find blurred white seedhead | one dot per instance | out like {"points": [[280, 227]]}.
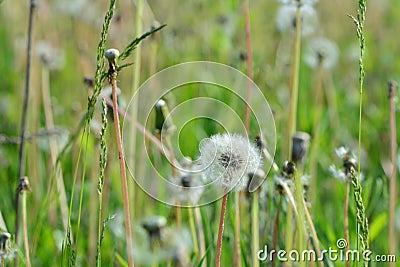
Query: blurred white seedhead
{"points": [[286, 19], [227, 159], [7, 253], [190, 184], [321, 52], [298, 2], [49, 56], [155, 243]]}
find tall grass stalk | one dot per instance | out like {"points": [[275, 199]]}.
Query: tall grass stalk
{"points": [[316, 135], [21, 154], [249, 56], [346, 218], [131, 145], [54, 150], [359, 22], [361, 217], [103, 163], [393, 182], [124, 183]]}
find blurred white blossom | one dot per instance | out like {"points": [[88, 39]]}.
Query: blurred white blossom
{"points": [[299, 2], [49, 56], [321, 52], [286, 19]]}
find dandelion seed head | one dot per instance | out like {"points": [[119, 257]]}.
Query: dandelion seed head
{"points": [[338, 174], [321, 52], [227, 158], [286, 19], [188, 187], [49, 56], [166, 244], [7, 253], [298, 2]]}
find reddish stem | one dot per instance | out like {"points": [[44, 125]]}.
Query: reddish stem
{"points": [[124, 183], [221, 231]]}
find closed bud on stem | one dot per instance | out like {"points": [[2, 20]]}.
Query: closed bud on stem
{"points": [[164, 124], [300, 145], [392, 88]]}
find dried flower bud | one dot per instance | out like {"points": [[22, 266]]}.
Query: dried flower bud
{"points": [[23, 185], [288, 169]]}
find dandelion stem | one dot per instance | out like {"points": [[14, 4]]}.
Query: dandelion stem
{"points": [[124, 182], [197, 215], [294, 90], [21, 155], [313, 232], [193, 231], [300, 212], [276, 229], [221, 230], [255, 234], [393, 186], [316, 135], [236, 246], [25, 228]]}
